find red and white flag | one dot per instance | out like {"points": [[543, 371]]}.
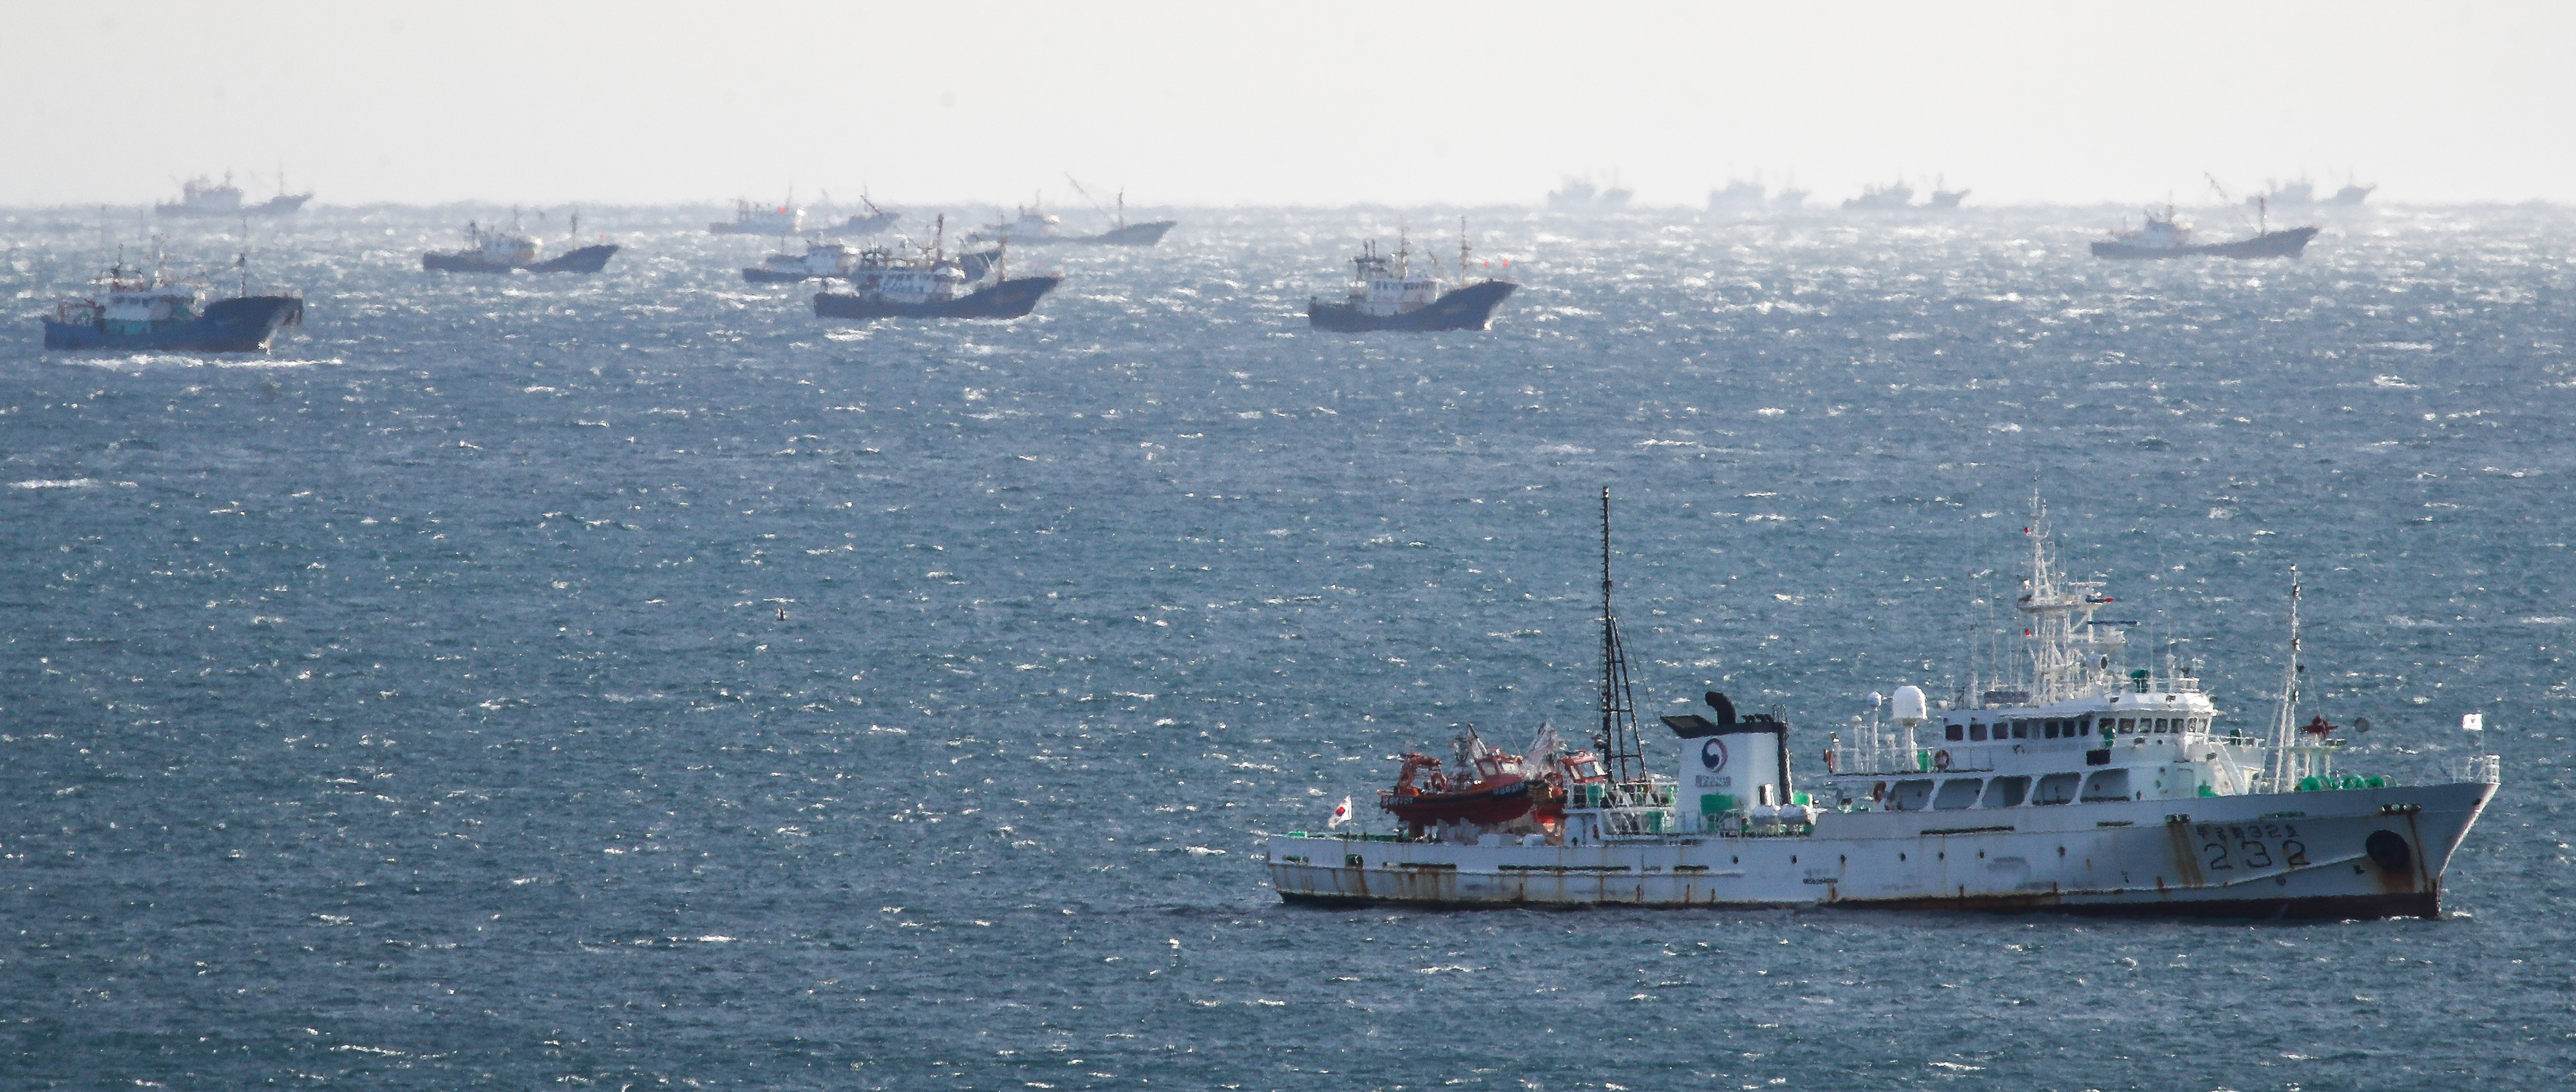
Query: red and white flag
{"points": [[1341, 814]]}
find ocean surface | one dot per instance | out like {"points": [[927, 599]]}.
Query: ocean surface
{"points": [[631, 682]]}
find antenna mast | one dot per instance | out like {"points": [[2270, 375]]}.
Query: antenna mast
{"points": [[1618, 736], [2285, 727]]}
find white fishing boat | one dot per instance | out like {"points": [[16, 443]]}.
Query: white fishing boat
{"points": [[2084, 786], [751, 219]]}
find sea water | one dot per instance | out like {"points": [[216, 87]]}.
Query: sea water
{"points": [[630, 681]]}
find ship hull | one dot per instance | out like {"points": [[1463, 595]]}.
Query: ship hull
{"points": [[279, 205], [245, 324], [589, 259], [2271, 244], [1007, 300], [2287, 855], [1144, 234], [758, 275], [1469, 308]]}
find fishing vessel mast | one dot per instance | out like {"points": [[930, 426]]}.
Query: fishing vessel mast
{"points": [[1617, 740], [2290, 761], [2069, 651]]}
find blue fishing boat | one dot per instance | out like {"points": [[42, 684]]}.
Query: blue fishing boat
{"points": [[140, 312]]}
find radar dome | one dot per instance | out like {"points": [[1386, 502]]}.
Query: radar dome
{"points": [[1909, 706]]}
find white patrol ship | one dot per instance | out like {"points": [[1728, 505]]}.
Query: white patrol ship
{"points": [[2085, 788]]}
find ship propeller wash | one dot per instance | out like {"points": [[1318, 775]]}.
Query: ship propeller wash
{"points": [[2082, 786]]}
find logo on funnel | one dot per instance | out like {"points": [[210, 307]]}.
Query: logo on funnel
{"points": [[1712, 754]]}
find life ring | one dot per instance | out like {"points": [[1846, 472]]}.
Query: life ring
{"points": [[1940, 760], [1878, 791]]}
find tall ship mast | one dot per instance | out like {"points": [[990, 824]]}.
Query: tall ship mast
{"points": [[2074, 784]]}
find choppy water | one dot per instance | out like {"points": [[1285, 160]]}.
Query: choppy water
{"points": [[413, 709]]}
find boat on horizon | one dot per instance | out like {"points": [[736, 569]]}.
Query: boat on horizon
{"points": [[1579, 194], [1385, 293], [155, 312], [868, 223], [493, 250], [2164, 236], [1035, 226], [203, 197], [1877, 198], [2073, 784], [750, 219]]}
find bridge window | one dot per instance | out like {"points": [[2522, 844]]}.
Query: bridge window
{"points": [[1976, 731], [1954, 733], [2128, 726], [2021, 729], [1958, 793], [2006, 792], [1910, 795]]}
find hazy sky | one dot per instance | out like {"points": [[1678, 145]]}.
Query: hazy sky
{"points": [[1307, 102]]}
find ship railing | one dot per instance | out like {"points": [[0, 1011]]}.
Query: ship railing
{"points": [[2474, 770]]}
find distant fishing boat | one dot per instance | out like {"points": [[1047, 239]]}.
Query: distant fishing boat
{"points": [[2166, 237], [155, 312], [2290, 194], [1740, 195], [1386, 294], [869, 223], [2352, 193], [1876, 198], [1580, 195], [202, 197], [492, 250], [1035, 226], [929, 284], [750, 219]]}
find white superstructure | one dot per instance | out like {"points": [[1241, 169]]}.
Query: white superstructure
{"points": [[2080, 785]]}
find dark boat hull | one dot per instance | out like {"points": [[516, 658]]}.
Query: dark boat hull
{"points": [[1469, 308], [589, 259], [243, 324], [1007, 300], [2271, 244], [759, 275]]}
